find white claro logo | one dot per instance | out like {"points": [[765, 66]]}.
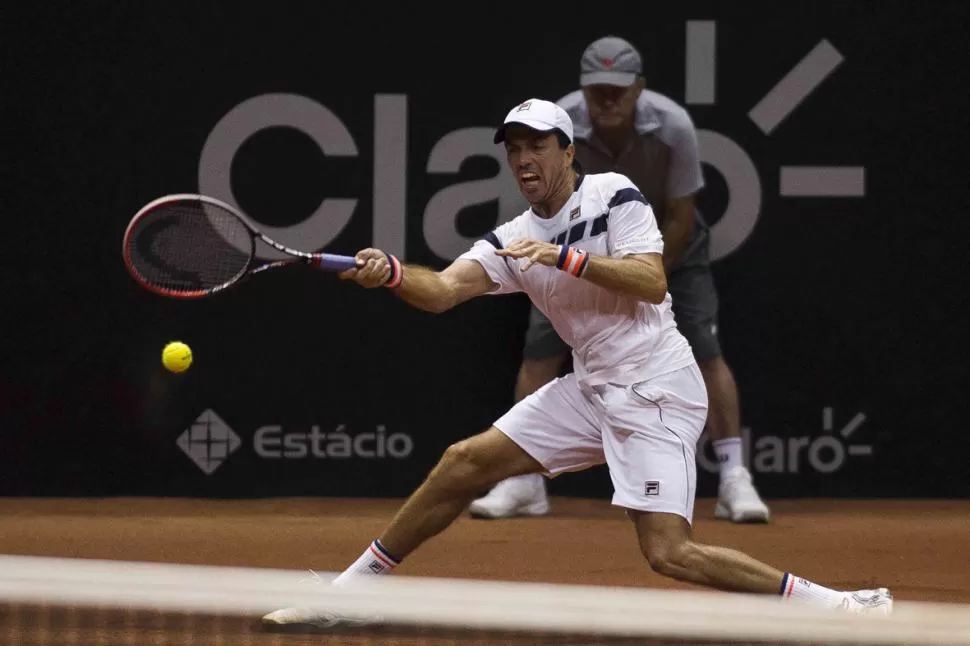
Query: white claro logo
{"points": [[439, 220], [826, 452]]}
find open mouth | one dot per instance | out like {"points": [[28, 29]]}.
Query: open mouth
{"points": [[529, 180]]}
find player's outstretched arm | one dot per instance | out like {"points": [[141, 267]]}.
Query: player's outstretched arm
{"points": [[424, 288]]}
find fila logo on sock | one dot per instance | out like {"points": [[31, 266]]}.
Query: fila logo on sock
{"points": [[376, 567], [651, 488]]}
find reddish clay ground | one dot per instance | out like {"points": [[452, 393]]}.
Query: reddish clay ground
{"points": [[917, 548]]}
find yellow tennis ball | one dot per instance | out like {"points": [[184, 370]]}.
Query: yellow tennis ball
{"points": [[177, 357]]}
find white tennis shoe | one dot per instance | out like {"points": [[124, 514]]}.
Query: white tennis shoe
{"points": [[306, 619], [313, 618], [523, 495], [737, 499], [869, 602]]}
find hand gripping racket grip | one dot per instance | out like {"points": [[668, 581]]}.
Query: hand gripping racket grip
{"points": [[333, 262]]}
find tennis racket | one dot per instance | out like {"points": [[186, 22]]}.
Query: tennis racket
{"points": [[193, 246]]}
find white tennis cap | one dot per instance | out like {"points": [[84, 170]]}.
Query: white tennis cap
{"points": [[544, 116]]}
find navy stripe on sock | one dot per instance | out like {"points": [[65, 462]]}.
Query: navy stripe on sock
{"points": [[784, 584], [386, 554]]}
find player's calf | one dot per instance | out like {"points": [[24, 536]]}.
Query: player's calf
{"points": [[666, 543], [710, 566]]}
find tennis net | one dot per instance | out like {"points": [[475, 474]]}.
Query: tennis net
{"points": [[87, 602]]}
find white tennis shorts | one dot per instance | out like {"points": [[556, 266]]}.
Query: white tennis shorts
{"points": [[646, 433]]}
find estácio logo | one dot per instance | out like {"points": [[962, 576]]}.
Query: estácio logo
{"points": [[272, 443]]}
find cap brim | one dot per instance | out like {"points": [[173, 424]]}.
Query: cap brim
{"points": [[535, 125], [620, 79]]}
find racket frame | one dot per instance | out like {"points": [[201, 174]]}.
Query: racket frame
{"points": [[324, 261]]}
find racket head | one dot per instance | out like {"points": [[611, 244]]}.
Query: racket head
{"points": [[188, 246]]}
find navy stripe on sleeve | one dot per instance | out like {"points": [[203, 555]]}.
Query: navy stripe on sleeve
{"points": [[493, 239], [625, 195], [495, 242]]}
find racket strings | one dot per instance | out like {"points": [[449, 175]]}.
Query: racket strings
{"points": [[189, 246]]}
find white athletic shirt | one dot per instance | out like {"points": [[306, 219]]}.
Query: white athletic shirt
{"points": [[615, 338]]}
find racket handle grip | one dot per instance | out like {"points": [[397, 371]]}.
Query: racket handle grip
{"points": [[333, 262]]}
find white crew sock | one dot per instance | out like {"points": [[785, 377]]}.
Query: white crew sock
{"points": [[799, 589], [728, 453], [375, 560]]}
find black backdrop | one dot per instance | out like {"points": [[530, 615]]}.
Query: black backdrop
{"points": [[844, 318]]}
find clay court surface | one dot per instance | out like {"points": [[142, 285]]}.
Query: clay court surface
{"points": [[917, 548]]}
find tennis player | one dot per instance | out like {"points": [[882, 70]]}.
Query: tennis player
{"points": [[588, 252], [621, 126]]}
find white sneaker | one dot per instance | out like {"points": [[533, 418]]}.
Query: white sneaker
{"points": [[311, 618], [517, 496], [869, 602], [305, 619], [737, 499]]}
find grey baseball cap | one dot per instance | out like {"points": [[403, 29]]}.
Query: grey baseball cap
{"points": [[610, 61]]}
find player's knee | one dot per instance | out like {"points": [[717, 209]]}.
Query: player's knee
{"points": [[669, 558], [460, 468], [660, 558]]}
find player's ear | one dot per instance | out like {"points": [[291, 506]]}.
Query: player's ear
{"points": [[570, 153]]}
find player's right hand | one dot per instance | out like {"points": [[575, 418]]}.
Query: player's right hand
{"points": [[372, 269]]}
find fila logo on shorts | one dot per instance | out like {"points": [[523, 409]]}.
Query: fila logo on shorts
{"points": [[651, 488]]}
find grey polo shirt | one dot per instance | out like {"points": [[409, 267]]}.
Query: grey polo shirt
{"points": [[663, 162]]}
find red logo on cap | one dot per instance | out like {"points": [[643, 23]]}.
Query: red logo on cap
{"points": [[607, 62]]}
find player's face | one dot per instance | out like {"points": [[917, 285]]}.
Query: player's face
{"points": [[540, 166], [610, 106]]}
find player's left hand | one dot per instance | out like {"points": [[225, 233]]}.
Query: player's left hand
{"points": [[536, 252]]}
